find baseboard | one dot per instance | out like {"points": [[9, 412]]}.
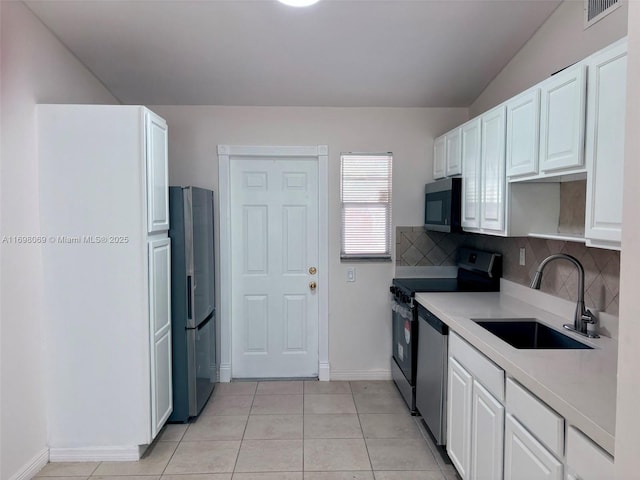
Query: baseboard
{"points": [[324, 373], [225, 373], [361, 375], [31, 468], [95, 454]]}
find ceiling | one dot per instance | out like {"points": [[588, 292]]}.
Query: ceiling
{"points": [[386, 53]]}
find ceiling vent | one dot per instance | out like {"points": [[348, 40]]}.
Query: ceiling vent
{"points": [[596, 10]]}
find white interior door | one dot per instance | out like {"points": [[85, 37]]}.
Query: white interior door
{"points": [[274, 251]]}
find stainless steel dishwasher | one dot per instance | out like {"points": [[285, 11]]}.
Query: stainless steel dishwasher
{"points": [[431, 375]]}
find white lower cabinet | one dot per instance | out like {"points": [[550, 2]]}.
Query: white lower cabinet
{"points": [[525, 458], [487, 435], [475, 417], [585, 460], [497, 429], [459, 408]]}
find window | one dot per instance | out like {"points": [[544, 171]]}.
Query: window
{"points": [[365, 195]]}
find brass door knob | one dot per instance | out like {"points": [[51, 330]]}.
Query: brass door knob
{"points": [[312, 270], [312, 285]]}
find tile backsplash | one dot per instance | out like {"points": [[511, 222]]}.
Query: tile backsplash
{"points": [[416, 247]]}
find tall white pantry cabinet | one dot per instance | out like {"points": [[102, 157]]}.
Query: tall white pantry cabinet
{"points": [[104, 218]]}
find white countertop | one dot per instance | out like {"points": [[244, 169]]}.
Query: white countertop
{"points": [[578, 384]]}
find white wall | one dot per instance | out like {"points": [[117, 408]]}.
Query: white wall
{"points": [[559, 42], [628, 415], [36, 68], [359, 314]]}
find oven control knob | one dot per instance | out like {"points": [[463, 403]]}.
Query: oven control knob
{"points": [[392, 290]]}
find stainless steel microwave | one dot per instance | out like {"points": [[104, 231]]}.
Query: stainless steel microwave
{"points": [[443, 204]]}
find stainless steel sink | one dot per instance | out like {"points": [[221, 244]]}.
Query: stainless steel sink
{"points": [[528, 333]]}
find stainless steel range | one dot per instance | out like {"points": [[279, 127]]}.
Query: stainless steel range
{"points": [[478, 271]]}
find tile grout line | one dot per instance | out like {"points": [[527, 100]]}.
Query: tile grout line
{"points": [[94, 470], [235, 463], [172, 454], [364, 440]]}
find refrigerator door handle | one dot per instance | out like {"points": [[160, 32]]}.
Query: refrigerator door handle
{"points": [[192, 371], [189, 298]]}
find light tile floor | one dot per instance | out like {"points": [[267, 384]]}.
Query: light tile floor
{"points": [[285, 430]]}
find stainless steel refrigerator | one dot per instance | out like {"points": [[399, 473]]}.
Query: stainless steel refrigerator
{"points": [[192, 300]]}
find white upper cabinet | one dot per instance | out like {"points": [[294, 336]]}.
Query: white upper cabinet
{"points": [[568, 127], [562, 120], [492, 167], [523, 128], [439, 157], [447, 155], [605, 146], [157, 173], [470, 143], [454, 153]]}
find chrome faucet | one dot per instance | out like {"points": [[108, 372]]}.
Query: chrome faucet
{"points": [[582, 316]]}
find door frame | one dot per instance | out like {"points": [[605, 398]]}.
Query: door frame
{"points": [[226, 154]]}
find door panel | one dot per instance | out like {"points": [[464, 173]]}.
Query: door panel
{"points": [[294, 327], [454, 156], [605, 144], [562, 121], [201, 377], [256, 310], [525, 458], [255, 240], [523, 132], [274, 222], [160, 332], [157, 173], [163, 391], [439, 157], [203, 262], [470, 133], [459, 409], [488, 435], [294, 224], [493, 164]]}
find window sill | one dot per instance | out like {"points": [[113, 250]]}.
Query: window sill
{"points": [[363, 259]]}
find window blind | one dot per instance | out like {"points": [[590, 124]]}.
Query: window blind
{"points": [[365, 195]]}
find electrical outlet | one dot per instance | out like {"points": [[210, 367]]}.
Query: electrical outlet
{"points": [[351, 274], [522, 257]]}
